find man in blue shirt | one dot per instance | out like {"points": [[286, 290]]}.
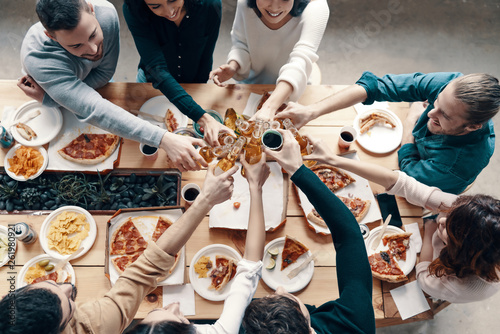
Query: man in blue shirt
{"points": [[446, 145]]}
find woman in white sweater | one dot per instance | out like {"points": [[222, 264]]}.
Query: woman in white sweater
{"points": [[460, 256], [274, 42], [244, 284]]}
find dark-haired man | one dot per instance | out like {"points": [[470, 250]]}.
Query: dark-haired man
{"points": [[49, 308], [445, 144], [72, 51]]}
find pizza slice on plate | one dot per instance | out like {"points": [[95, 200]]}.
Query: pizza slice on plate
{"points": [[385, 267], [334, 178], [398, 243], [170, 121], [127, 240], [375, 118], [316, 218], [358, 207], [292, 250], [90, 148], [223, 272]]}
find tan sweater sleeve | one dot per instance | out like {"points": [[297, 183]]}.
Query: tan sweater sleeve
{"points": [[115, 311]]}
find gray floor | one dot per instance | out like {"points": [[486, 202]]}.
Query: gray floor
{"points": [[385, 36]]}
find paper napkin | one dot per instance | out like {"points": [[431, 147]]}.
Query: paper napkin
{"points": [[183, 294], [359, 107], [416, 238], [252, 104], [410, 300]]}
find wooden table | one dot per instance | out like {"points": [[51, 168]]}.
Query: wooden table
{"points": [[89, 269]]}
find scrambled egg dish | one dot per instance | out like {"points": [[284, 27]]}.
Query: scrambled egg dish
{"points": [[67, 231]]}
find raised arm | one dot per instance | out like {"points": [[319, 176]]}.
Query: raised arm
{"points": [[353, 270], [256, 176], [216, 189], [375, 173], [301, 115]]}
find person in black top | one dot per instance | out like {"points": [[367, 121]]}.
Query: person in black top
{"points": [[282, 312]]}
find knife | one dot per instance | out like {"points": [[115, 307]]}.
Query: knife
{"points": [[382, 231]]}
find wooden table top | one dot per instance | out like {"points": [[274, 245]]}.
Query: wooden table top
{"points": [[91, 281]]}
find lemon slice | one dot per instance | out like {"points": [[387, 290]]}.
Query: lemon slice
{"points": [[271, 264]]}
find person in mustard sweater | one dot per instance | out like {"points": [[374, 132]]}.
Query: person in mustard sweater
{"points": [[47, 307]]}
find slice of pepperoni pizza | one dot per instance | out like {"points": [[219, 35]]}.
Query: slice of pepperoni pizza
{"points": [[127, 240], [90, 148], [161, 226], [385, 267]]}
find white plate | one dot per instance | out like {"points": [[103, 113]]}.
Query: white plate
{"points": [[201, 285], [86, 243], [68, 268], [158, 106], [5, 231], [11, 153], [411, 253], [380, 139], [46, 125], [275, 278]]}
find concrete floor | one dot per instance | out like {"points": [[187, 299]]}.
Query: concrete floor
{"points": [[386, 36]]}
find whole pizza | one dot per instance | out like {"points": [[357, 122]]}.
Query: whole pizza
{"points": [[90, 148], [128, 242]]}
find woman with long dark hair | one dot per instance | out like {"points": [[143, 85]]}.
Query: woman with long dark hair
{"points": [[176, 40], [460, 256]]}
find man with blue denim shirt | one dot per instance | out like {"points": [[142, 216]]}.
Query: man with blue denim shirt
{"points": [[446, 145]]}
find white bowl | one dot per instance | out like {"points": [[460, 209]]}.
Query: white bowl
{"points": [[86, 243], [11, 153]]}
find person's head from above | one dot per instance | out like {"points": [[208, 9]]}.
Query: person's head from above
{"points": [[72, 24], [278, 313], [465, 105], [42, 308], [471, 231], [275, 13], [165, 320], [172, 10]]}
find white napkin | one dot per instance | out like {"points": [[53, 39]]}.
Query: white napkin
{"points": [[184, 294], [72, 127], [7, 116], [416, 238], [360, 108], [410, 300], [252, 104], [225, 215]]}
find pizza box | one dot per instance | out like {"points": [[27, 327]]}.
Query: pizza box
{"points": [[274, 196], [145, 221], [116, 182]]}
